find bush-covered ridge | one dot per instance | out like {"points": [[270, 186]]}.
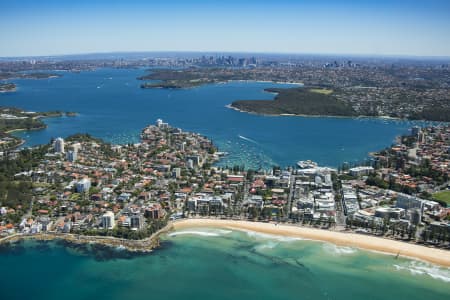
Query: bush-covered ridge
{"points": [[297, 101]]}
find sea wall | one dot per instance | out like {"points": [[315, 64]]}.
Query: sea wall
{"points": [[144, 245]]}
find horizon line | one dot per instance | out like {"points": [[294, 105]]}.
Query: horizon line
{"points": [[360, 55]]}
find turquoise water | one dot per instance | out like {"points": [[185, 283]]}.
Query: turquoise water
{"points": [[113, 107], [216, 264]]}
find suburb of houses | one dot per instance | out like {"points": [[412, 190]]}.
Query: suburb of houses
{"points": [[81, 185]]}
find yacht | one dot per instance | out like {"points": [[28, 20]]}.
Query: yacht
{"points": [[306, 164]]}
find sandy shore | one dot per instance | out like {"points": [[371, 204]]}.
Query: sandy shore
{"points": [[432, 255]]}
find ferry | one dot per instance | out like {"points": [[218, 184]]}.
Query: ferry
{"points": [[306, 164]]}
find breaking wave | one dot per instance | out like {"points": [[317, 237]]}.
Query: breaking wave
{"points": [[218, 232], [268, 245], [258, 235], [338, 250], [422, 268]]}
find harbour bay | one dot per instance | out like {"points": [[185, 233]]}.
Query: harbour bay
{"points": [[110, 105]]}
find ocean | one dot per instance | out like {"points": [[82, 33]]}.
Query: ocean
{"points": [[113, 107], [216, 264]]}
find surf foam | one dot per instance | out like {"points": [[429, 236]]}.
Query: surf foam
{"points": [[338, 250], [422, 268]]}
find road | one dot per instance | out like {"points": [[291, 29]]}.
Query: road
{"points": [[290, 201]]}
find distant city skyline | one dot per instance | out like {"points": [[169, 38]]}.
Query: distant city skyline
{"points": [[391, 28]]}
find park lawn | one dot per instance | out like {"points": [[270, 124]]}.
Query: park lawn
{"points": [[443, 196]]}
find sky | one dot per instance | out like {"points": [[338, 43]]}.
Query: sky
{"points": [[383, 27]]}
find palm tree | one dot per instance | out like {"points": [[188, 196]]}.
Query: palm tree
{"points": [[385, 226], [372, 225], [394, 227]]}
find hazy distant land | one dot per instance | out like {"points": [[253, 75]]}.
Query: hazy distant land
{"points": [[330, 90], [33, 75]]}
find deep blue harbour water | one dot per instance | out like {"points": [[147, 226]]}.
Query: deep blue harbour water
{"points": [[113, 107]]}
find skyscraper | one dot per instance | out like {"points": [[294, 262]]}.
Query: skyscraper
{"points": [[59, 145]]}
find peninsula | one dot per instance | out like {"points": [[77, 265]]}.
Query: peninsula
{"points": [[27, 75], [82, 189], [7, 87], [297, 101], [188, 78], [14, 119], [12, 87]]}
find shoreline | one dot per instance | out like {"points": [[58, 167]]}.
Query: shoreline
{"points": [[144, 245], [8, 91], [366, 242], [230, 106], [387, 118], [44, 125], [370, 243], [176, 87], [24, 129]]}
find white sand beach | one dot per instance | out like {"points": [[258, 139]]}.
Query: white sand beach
{"points": [[367, 242]]}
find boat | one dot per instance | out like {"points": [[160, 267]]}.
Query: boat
{"points": [[220, 154], [306, 164]]}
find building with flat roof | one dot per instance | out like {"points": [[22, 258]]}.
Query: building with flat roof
{"points": [[108, 221], [137, 222], [83, 185], [72, 155], [407, 201], [389, 213], [361, 171]]}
